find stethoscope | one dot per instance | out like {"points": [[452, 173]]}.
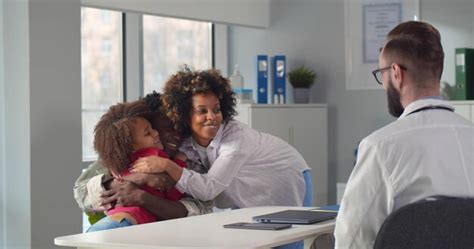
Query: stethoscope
{"points": [[433, 107]]}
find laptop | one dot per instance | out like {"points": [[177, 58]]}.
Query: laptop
{"points": [[296, 216]]}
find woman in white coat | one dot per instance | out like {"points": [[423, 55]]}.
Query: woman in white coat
{"points": [[246, 167]]}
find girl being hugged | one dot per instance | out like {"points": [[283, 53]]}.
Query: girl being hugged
{"points": [[122, 136]]}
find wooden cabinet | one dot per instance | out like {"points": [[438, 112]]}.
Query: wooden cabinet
{"points": [[304, 126], [464, 108]]}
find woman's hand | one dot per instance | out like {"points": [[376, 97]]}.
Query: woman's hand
{"points": [[160, 181], [150, 164], [126, 194], [129, 194]]}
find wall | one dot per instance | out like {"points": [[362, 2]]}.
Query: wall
{"points": [[55, 95], [254, 13], [312, 32], [454, 19], [17, 125], [2, 136], [42, 120]]}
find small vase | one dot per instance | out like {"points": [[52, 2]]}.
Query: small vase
{"points": [[301, 95]]}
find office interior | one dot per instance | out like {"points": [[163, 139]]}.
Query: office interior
{"points": [[40, 88]]}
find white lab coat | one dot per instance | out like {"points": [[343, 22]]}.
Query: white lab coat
{"points": [[248, 168], [422, 154]]}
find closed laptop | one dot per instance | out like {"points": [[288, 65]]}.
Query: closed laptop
{"points": [[296, 217]]}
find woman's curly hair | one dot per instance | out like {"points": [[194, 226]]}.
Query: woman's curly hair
{"points": [[180, 88], [113, 134]]}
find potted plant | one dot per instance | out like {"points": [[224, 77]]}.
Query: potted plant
{"points": [[301, 78]]}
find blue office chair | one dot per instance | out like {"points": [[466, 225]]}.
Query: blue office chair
{"points": [[441, 222], [308, 195], [307, 202]]}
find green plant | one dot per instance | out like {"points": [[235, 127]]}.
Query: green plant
{"points": [[302, 77]]}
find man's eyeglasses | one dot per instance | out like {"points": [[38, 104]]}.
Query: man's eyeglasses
{"points": [[378, 73]]}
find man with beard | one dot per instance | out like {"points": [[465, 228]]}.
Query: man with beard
{"points": [[427, 151]]}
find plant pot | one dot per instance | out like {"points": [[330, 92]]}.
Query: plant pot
{"points": [[301, 95]]}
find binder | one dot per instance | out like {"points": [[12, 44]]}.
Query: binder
{"points": [[279, 79], [464, 87], [262, 79]]}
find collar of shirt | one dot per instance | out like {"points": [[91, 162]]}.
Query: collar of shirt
{"points": [[433, 97], [217, 139], [424, 102], [188, 149]]}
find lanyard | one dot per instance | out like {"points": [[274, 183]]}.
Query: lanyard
{"points": [[436, 107]]}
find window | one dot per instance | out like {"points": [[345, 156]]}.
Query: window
{"points": [[102, 84], [105, 47], [105, 17], [169, 43], [105, 80]]}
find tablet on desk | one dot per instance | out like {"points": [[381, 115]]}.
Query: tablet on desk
{"points": [[257, 226], [296, 217]]}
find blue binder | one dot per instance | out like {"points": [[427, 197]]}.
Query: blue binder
{"points": [[279, 79], [262, 79]]}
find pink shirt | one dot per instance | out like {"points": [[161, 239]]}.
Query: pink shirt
{"points": [[140, 214]]}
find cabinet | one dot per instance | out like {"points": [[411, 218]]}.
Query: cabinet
{"points": [[464, 108], [304, 126]]}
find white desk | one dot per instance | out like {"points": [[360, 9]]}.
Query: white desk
{"points": [[204, 231]]}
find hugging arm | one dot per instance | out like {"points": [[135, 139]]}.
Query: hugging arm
{"points": [[129, 194], [89, 189], [234, 152], [161, 181]]}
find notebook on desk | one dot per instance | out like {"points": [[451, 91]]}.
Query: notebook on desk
{"points": [[296, 217]]}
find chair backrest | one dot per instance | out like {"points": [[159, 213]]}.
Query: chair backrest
{"points": [[308, 195], [441, 223]]}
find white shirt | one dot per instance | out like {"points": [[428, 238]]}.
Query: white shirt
{"points": [[202, 152], [248, 168], [422, 154]]}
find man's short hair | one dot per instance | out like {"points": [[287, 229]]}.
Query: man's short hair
{"points": [[417, 46]]}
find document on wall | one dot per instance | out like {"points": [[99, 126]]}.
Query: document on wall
{"points": [[367, 24], [378, 20]]}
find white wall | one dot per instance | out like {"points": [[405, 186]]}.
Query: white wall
{"points": [[2, 135], [312, 32], [254, 13], [55, 67], [42, 120], [454, 19], [17, 125]]}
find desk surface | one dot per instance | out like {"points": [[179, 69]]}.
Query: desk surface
{"points": [[204, 231]]}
